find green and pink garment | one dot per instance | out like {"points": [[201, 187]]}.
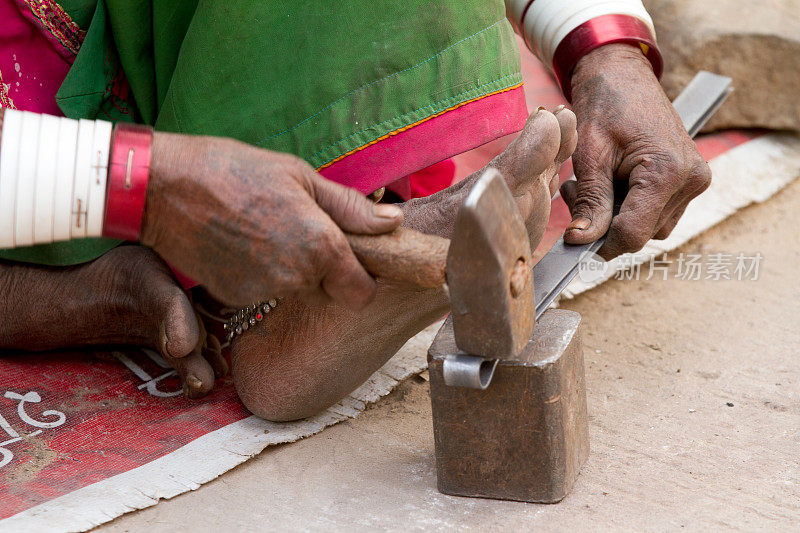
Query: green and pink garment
{"points": [[368, 92], [371, 93]]}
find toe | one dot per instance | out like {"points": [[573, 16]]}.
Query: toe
{"points": [[212, 352], [179, 331], [567, 124], [184, 347], [532, 152], [181, 337], [195, 372]]}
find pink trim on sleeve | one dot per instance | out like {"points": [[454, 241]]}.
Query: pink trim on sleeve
{"points": [[429, 142]]}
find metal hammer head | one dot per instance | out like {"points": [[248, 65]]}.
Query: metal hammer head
{"points": [[489, 273]]}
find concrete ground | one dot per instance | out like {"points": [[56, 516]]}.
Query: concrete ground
{"points": [[694, 402]]}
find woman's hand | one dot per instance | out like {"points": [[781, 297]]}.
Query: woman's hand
{"points": [[249, 224], [628, 130]]}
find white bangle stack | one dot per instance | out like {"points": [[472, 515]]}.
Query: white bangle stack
{"points": [[44, 200], [9, 161], [26, 178], [65, 178], [544, 23], [53, 175], [80, 176]]}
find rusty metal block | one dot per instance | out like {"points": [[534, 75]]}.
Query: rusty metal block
{"points": [[526, 436]]}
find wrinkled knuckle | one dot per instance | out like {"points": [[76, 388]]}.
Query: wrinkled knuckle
{"points": [[590, 200], [330, 248], [351, 205], [665, 164], [700, 176]]}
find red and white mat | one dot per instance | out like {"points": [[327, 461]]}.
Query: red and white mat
{"points": [[86, 437]]}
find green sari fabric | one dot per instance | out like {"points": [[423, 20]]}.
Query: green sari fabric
{"points": [[316, 79]]}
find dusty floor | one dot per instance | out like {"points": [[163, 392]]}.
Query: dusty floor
{"points": [[694, 399]]}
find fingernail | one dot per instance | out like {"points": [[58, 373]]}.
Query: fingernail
{"points": [[194, 383], [579, 224], [559, 109], [386, 211], [376, 196]]}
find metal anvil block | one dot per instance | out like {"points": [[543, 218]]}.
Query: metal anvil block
{"points": [[526, 436]]}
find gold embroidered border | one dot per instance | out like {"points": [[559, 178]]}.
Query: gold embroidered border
{"points": [[5, 99], [58, 23]]}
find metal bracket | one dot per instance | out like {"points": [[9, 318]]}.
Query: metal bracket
{"points": [[470, 371]]}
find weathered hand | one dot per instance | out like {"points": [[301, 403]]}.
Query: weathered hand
{"points": [[628, 130], [250, 224]]}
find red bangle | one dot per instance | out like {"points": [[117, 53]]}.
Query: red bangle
{"points": [[599, 31], [128, 172]]}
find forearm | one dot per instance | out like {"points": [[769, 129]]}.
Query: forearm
{"points": [[610, 74], [60, 181], [612, 60]]}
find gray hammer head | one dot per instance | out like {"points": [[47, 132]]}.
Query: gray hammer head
{"points": [[489, 273]]}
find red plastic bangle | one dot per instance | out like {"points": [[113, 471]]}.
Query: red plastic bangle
{"points": [[128, 173], [599, 31]]}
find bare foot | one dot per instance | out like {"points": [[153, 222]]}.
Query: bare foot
{"points": [[301, 359], [127, 296]]}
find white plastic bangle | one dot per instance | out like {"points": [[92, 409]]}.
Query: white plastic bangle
{"points": [[45, 180], [99, 178], [83, 173], [26, 178], [514, 11], [9, 160], [547, 22], [65, 178]]}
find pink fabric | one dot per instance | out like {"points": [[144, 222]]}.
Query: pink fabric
{"points": [[60, 21], [426, 181], [434, 140], [31, 67]]}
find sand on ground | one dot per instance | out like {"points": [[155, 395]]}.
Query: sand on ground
{"points": [[694, 402]]}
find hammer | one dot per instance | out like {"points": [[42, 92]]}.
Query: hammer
{"points": [[486, 268]]}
